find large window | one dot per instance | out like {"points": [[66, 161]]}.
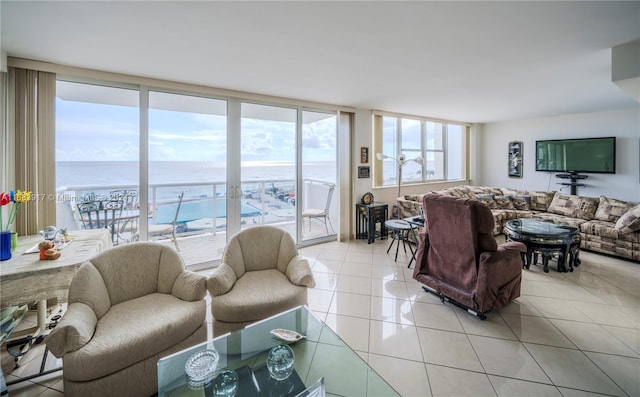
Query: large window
{"points": [[187, 170], [433, 150]]}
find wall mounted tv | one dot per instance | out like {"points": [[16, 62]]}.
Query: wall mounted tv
{"points": [[588, 155]]}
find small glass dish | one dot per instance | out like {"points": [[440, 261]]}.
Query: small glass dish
{"points": [[201, 367], [286, 335]]}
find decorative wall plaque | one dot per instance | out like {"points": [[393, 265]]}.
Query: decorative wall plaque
{"points": [[515, 159]]}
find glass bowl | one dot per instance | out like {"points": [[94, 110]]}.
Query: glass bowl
{"points": [[201, 367]]}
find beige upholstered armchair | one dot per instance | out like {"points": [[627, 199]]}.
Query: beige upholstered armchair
{"points": [[128, 307], [261, 274]]}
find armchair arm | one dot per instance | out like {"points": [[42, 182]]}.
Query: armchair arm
{"points": [[299, 272], [74, 330], [221, 280], [190, 286]]}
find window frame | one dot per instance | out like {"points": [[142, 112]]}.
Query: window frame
{"points": [[400, 147]]}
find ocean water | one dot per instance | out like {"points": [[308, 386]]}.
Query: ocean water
{"points": [[115, 173]]}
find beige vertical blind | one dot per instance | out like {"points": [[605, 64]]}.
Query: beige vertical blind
{"points": [[34, 95]]}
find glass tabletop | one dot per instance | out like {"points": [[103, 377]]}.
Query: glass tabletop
{"points": [[536, 227], [319, 354]]}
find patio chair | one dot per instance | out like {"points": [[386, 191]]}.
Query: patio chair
{"points": [[321, 214], [101, 215], [159, 230]]}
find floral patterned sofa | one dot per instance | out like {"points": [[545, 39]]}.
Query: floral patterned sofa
{"points": [[606, 225]]}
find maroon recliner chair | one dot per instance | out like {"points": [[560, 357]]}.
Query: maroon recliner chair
{"points": [[459, 260]]}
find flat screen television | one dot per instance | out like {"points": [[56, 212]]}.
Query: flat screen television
{"points": [[587, 155]]}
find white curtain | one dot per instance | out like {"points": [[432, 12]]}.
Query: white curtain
{"points": [[33, 95]]}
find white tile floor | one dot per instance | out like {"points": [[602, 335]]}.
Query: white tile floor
{"points": [[569, 334]]}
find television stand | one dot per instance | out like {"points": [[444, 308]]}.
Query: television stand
{"points": [[574, 177]]}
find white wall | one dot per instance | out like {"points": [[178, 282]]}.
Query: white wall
{"points": [[624, 124], [362, 137]]}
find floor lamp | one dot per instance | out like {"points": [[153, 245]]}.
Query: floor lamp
{"points": [[401, 161]]}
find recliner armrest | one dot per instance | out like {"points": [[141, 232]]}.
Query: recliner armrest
{"points": [[299, 272], [190, 286], [221, 280], [513, 246], [74, 330]]}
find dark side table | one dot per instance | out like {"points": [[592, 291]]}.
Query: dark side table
{"points": [[367, 216], [401, 231]]}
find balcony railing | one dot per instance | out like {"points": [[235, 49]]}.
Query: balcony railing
{"points": [[203, 208]]}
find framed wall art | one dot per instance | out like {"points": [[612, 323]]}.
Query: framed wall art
{"points": [[515, 159], [364, 155], [363, 172]]}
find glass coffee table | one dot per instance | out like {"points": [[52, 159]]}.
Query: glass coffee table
{"points": [[319, 354], [547, 239]]}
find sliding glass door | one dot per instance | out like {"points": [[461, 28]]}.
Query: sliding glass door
{"points": [[319, 195], [97, 156], [188, 171], [268, 166], [187, 174]]}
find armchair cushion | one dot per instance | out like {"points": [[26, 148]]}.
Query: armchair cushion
{"points": [[74, 330], [221, 280], [190, 286], [299, 273], [257, 295]]}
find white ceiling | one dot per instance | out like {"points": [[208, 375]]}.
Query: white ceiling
{"points": [[466, 61]]}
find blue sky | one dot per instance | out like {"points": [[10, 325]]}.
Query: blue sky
{"points": [[100, 132]]}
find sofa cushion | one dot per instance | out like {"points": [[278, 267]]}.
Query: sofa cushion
{"points": [[573, 206], [238, 306], [132, 331], [630, 221], [487, 199], [504, 203], [559, 219], [540, 200], [520, 201], [610, 209], [600, 228]]}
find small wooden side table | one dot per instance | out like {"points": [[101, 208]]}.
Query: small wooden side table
{"points": [[367, 216]]}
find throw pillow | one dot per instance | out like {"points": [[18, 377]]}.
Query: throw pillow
{"points": [[629, 222], [610, 209], [540, 200], [521, 202], [505, 203], [574, 206], [488, 200]]}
